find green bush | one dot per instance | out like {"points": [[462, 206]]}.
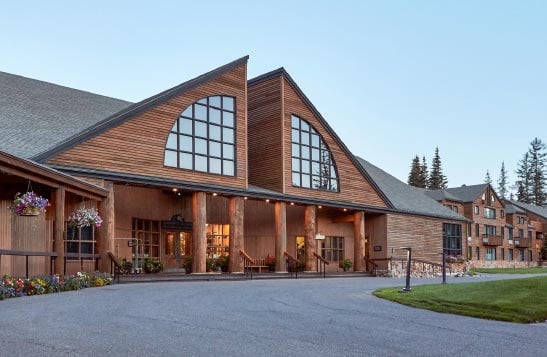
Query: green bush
{"points": [[152, 265], [346, 264]]}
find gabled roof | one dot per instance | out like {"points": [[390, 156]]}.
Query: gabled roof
{"points": [[538, 211], [35, 115], [442, 195], [407, 198], [510, 208], [128, 112], [467, 193], [282, 72]]}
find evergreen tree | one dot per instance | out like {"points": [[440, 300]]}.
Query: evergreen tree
{"points": [[502, 182], [538, 179], [424, 174], [437, 180], [524, 179], [415, 172], [487, 178]]}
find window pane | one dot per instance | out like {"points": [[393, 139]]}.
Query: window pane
{"points": [[296, 179], [228, 119], [295, 150], [305, 137], [185, 126], [200, 112], [170, 158], [215, 167], [304, 126], [201, 129], [201, 163], [334, 185], [201, 146], [185, 161], [187, 113], [228, 135], [172, 142], [306, 181], [295, 136], [214, 132], [305, 166], [214, 116], [214, 150], [295, 164], [315, 140], [315, 154], [295, 122], [228, 103], [185, 143], [315, 168], [228, 151], [203, 101], [228, 167], [214, 101], [305, 152]]}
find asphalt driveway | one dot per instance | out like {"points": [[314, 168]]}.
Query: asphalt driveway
{"points": [[305, 317]]}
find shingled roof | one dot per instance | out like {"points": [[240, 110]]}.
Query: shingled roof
{"points": [[537, 210], [442, 195], [35, 115], [467, 193], [510, 208], [406, 198]]}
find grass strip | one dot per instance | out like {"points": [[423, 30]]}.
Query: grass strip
{"points": [[518, 300], [535, 270]]}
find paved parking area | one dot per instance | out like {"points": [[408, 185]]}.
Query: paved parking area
{"points": [[310, 317]]}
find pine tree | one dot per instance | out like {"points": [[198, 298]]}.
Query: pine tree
{"points": [[487, 178], [524, 179], [538, 179], [437, 180], [424, 174], [502, 182], [414, 175]]}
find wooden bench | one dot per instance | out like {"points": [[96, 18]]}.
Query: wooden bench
{"points": [[259, 263]]}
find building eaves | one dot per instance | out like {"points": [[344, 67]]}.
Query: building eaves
{"points": [[282, 72], [134, 109], [537, 210]]}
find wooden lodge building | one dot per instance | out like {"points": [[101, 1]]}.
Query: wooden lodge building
{"points": [[218, 165]]}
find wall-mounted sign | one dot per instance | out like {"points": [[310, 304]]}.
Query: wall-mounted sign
{"points": [[319, 236], [377, 248], [129, 243]]}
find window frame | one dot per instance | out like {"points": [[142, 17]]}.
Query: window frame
{"points": [[328, 249], [452, 241], [77, 241]]}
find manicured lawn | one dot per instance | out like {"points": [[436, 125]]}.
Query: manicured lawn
{"points": [[517, 300], [536, 270]]}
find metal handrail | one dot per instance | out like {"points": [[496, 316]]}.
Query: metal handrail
{"points": [[323, 262]]}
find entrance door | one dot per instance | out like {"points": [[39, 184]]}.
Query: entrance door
{"points": [[177, 245], [300, 248]]}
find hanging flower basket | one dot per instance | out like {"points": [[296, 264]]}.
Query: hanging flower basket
{"points": [[29, 204], [85, 217]]}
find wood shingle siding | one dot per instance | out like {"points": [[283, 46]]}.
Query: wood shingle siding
{"points": [[137, 145]]}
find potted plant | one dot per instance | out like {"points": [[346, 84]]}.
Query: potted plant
{"points": [[152, 265], [222, 263], [270, 263], [29, 204], [296, 265], [187, 263], [85, 217], [209, 265], [346, 264]]}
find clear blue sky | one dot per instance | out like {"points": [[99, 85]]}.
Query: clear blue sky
{"points": [[393, 78]]}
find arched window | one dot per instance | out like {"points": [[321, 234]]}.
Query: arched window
{"points": [[312, 162], [203, 137]]}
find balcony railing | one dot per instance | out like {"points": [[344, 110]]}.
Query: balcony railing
{"points": [[490, 239], [523, 242]]}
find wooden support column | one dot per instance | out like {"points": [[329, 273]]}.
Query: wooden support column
{"points": [[280, 236], [310, 229], [106, 235], [359, 241], [59, 235], [199, 238], [237, 242]]}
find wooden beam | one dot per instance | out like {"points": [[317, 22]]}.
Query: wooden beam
{"points": [[59, 229], [359, 241], [199, 234], [237, 213], [310, 229], [344, 219], [106, 237], [280, 236]]}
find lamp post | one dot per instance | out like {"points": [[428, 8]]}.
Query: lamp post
{"points": [[408, 261], [444, 266]]}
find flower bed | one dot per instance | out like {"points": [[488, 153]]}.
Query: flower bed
{"points": [[11, 287]]}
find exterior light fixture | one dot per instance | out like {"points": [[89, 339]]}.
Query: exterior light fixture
{"points": [[292, 203], [267, 200], [319, 207], [215, 194], [175, 189]]}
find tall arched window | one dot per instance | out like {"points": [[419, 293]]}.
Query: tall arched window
{"points": [[203, 137], [312, 162]]}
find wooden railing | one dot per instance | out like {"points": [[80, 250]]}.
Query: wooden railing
{"points": [[489, 239], [293, 260], [81, 257], [115, 267], [248, 263], [523, 242], [26, 254], [373, 265], [321, 262]]}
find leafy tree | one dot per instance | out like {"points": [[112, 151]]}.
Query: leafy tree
{"points": [[415, 172], [487, 178], [437, 180], [538, 180], [524, 179], [424, 174], [502, 182]]}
